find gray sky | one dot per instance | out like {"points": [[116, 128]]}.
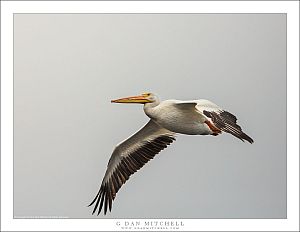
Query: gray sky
{"points": [[68, 67]]}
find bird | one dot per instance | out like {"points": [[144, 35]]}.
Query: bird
{"points": [[167, 119]]}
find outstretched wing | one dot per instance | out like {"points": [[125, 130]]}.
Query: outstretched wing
{"points": [[222, 119], [226, 122], [128, 157]]}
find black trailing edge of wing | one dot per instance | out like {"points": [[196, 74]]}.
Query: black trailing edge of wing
{"points": [[226, 122], [128, 165]]}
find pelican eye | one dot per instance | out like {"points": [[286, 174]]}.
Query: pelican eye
{"points": [[146, 94]]}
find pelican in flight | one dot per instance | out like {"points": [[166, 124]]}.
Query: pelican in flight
{"points": [[167, 118]]}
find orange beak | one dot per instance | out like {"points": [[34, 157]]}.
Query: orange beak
{"points": [[136, 99]]}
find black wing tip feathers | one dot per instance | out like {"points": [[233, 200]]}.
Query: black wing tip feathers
{"points": [[94, 210], [226, 121], [247, 138], [125, 169], [99, 200]]}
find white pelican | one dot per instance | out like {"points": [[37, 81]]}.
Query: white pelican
{"points": [[167, 118]]}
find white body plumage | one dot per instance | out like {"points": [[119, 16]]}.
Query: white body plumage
{"points": [[167, 118], [184, 117]]}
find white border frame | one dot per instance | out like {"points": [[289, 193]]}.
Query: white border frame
{"points": [[289, 7]]}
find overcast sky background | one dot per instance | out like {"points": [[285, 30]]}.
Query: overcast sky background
{"points": [[67, 68]]}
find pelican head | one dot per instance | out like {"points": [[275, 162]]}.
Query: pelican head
{"points": [[142, 99]]}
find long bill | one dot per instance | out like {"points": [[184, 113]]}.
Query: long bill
{"points": [[135, 99]]}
